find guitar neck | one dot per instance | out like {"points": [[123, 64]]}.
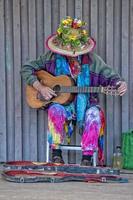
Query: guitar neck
{"points": [[76, 89]]}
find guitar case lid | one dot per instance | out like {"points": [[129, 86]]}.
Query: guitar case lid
{"points": [[32, 172], [71, 168]]}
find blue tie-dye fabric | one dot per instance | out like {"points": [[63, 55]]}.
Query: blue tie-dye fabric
{"points": [[82, 99], [83, 79], [62, 66]]}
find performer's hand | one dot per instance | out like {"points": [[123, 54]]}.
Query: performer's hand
{"points": [[45, 91], [122, 87]]}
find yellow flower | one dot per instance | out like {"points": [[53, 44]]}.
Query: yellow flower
{"points": [[84, 32], [73, 37], [65, 22], [69, 19]]}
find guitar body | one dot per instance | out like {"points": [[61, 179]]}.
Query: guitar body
{"points": [[51, 81], [64, 88]]}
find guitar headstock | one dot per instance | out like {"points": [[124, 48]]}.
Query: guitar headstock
{"points": [[109, 90]]}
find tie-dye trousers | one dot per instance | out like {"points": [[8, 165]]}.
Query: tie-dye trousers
{"points": [[93, 130]]}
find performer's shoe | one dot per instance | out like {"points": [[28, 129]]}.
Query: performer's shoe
{"points": [[57, 156], [86, 160], [86, 163], [58, 159]]}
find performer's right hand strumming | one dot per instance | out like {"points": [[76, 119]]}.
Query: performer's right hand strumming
{"points": [[45, 91]]}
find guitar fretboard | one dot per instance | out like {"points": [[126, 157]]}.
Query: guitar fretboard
{"points": [[76, 89]]}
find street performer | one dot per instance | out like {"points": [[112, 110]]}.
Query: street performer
{"points": [[71, 53]]}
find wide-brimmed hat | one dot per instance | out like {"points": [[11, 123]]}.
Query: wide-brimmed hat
{"points": [[71, 38]]}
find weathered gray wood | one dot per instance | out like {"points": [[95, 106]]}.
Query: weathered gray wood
{"points": [[40, 27], [102, 28], [47, 32], [78, 9], [3, 122], [17, 80], [87, 13], [94, 21], [32, 55], [9, 80], [117, 50], [40, 49], [71, 8], [63, 9], [55, 14], [102, 46], [47, 19], [131, 66], [25, 57], [125, 62], [109, 99]]}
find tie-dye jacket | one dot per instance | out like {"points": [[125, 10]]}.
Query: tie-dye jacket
{"points": [[100, 73]]}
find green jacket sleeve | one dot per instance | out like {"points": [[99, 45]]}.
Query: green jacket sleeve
{"points": [[30, 67], [106, 74]]}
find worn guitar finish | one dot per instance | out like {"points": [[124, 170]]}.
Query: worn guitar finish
{"points": [[63, 86], [35, 100]]}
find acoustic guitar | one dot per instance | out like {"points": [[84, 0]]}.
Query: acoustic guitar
{"points": [[64, 87]]}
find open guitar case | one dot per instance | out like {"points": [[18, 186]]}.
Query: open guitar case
{"points": [[33, 172]]}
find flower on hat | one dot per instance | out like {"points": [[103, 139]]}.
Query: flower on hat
{"points": [[67, 21], [59, 31], [84, 32], [72, 32], [71, 38], [77, 23]]}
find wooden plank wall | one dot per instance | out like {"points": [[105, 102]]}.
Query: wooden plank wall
{"points": [[24, 26]]}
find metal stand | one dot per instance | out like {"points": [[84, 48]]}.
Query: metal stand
{"points": [[70, 147]]}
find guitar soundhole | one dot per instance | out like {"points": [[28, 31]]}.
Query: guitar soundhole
{"points": [[57, 88]]}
